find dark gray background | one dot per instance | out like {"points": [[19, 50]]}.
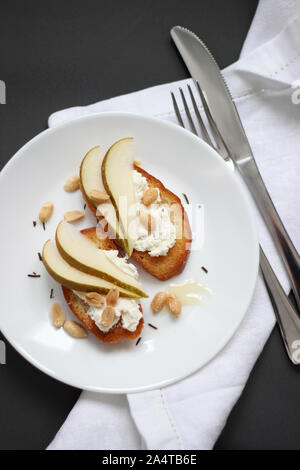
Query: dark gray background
{"points": [[64, 53]]}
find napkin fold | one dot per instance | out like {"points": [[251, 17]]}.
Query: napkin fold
{"points": [[191, 413]]}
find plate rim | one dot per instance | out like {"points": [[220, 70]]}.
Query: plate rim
{"points": [[246, 199]]}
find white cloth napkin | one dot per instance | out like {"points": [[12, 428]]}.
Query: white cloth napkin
{"points": [[192, 413]]}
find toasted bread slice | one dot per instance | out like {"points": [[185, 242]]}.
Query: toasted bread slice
{"points": [[173, 263], [80, 308]]}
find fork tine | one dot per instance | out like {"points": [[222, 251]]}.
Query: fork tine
{"points": [[215, 131], [176, 109], [204, 132], [188, 114]]}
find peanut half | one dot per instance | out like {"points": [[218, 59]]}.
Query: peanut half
{"points": [[99, 196], [58, 315], [158, 302], [46, 211], [112, 297], [174, 304], [93, 298], [74, 329], [149, 196], [72, 184], [108, 316], [73, 216]]}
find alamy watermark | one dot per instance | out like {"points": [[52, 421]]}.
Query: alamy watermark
{"points": [[2, 353], [168, 221], [2, 92]]}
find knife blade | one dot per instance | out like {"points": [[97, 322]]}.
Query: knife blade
{"points": [[204, 69]]}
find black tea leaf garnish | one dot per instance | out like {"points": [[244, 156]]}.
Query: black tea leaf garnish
{"points": [[40, 256], [44, 226], [84, 207], [138, 341], [186, 198], [204, 269], [152, 326], [34, 223], [51, 294], [34, 275]]}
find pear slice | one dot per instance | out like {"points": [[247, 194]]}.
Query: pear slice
{"points": [[90, 172], [117, 179], [74, 279], [91, 178], [84, 255]]}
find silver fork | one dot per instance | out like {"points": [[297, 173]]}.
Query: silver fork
{"points": [[286, 314]]}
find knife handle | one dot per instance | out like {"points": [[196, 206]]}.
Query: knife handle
{"points": [[287, 317], [288, 252]]}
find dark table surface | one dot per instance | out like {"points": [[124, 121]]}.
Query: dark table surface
{"points": [[62, 53]]}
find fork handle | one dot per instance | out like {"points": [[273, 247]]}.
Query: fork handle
{"points": [[287, 317], [288, 252]]}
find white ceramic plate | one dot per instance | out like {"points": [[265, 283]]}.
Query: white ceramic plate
{"points": [[180, 346]]}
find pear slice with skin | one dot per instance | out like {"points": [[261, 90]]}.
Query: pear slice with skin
{"points": [[90, 173], [117, 179], [74, 279], [91, 178], [84, 255]]}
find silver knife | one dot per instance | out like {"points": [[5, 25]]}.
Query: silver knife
{"points": [[204, 69]]}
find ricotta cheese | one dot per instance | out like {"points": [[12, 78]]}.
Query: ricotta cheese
{"points": [[125, 309], [122, 263], [163, 236]]}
